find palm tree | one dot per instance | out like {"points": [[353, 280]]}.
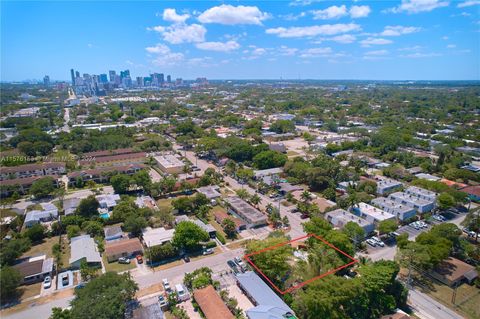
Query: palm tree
{"points": [[255, 200], [242, 193], [306, 196]]}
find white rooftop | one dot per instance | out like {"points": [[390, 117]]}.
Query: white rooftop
{"points": [[157, 236], [374, 212]]}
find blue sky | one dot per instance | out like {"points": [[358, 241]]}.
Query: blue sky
{"points": [[292, 39]]}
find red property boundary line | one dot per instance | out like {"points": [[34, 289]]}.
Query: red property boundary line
{"points": [[247, 258]]}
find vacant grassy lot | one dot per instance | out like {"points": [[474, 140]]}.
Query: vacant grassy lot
{"points": [[117, 267], [467, 300], [29, 291], [43, 248]]}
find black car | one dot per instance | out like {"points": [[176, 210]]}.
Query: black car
{"points": [[232, 265], [186, 258]]}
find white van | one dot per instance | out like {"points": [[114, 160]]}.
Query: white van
{"points": [[182, 293]]}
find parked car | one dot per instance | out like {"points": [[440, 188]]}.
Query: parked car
{"points": [[123, 260], [470, 233], [65, 280], [139, 259], [240, 263], [378, 241], [371, 242], [415, 225], [232, 265], [162, 300], [47, 282], [186, 258], [208, 251], [166, 286], [439, 218]]}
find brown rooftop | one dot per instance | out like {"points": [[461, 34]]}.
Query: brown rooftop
{"points": [[100, 170], [27, 268], [26, 180], [472, 190], [453, 269], [32, 167], [109, 152], [112, 158], [126, 245], [221, 216], [211, 304]]}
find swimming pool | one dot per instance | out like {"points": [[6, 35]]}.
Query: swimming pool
{"points": [[105, 215]]}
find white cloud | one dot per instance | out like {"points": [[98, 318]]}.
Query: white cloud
{"points": [[316, 52], [292, 17], [344, 38], [164, 56], [420, 55], [417, 6], [296, 3], [172, 16], [311, 31], [359, 11], [377, 52], [451, 46], [468, 3], [90, 45], [182, 33], [445, 38], [218, 46], [397, 30], [374, 41], [231, 15], [332, 12], [284, 50], [412, 48]]}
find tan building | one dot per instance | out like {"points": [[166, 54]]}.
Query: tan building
{"points": [[170, 164], [123, 248]]}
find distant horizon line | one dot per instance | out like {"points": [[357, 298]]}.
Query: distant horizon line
{"points": [[269, 79]]}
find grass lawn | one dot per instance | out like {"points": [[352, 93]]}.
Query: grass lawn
{"points": [[169, 265], [117, 267], [165, 203], [6, 213], [43, 248], [29, 291], [292, 153], [238, 244], [34, 207], [65, 252], [466, 302]]}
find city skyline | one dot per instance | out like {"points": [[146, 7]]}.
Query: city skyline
{"points": [[389, 40]]}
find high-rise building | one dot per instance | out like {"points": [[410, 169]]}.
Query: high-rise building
{"points": [[72, 74], [125, 74], [77, 74], [46, 80], [140, 81], [161, 79], [112, 75], [169, 78], [103, 78]]}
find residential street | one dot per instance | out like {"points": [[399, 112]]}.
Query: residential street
{"points": [[427, 308]]}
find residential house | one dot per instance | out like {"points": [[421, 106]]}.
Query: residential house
{"points": [[428, 177], [221, 215], [156, 236], [153, 311], [340, 217], [84, 248], [268, 305], [34, 269], [473, 192], [252, 216], [103, 174], [278, 147], [70, 205], [48, 213], [123, 248], [421, 205], [22, 185], [211, 231], [146, 201], [107, 201], [370, 213], [113, 233], [421, 193], [211, 192], [32, 170], [386, 185], [210, 303], [401, 211], [453, 272]]}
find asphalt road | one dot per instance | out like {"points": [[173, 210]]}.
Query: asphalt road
{"points": [[41, 311], [427, 308]]}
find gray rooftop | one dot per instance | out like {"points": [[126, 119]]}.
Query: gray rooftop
{"points": [[209, 191], [245, 210], [83, 247], [261, 293]]}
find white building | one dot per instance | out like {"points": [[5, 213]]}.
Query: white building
{"points": [[157, 236], [401, 211], [170, 164], [371, 213], [340, 217], [48, 213], [386, 185]]}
